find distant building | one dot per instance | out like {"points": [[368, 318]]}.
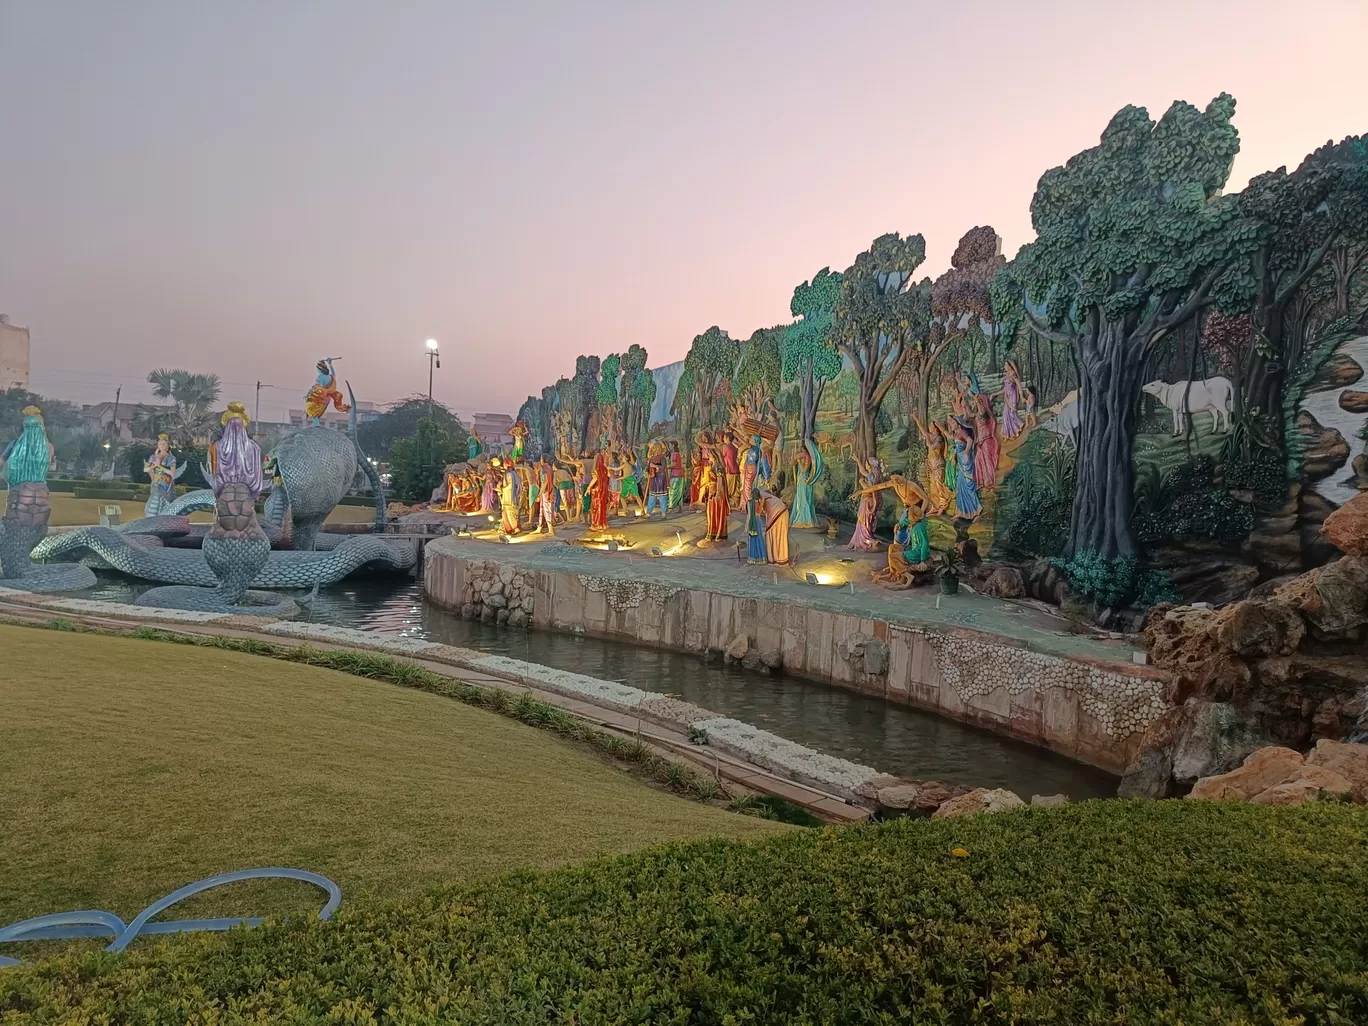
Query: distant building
{"points": [[14, 356], [102, 418], [494, 429], [338, 421]]}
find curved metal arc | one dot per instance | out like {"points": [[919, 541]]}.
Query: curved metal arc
{"points": [[94, 923], [134, 928]]}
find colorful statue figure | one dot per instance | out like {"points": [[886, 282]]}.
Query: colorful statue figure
{"points": [[677, 482], [599, 493], [546, 497], [712, 490], [754, 466], [755, 529], [1011, 398], [776, 528], [967, 504], [911, 543], [805, 474], [658, 483], [322, 393], [942, 495], [567, 489], [985, 435], [519, 433], [236, 548], [731, 467], [489, 498], [161, 469], [474, 445], [868, 512], [508, 498], [28, 460], [30, 457]]}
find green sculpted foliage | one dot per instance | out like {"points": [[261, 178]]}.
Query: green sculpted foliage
{"points": [[1136, 912], [711, 363], [1113, 583], [808, 355], [762, 361], [880, 319], [1134, 238], [607, 394], [1314, 246]]}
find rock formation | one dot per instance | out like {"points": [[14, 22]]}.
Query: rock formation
{"points": [[1284, 669]]}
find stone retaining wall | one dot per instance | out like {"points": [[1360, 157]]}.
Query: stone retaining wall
{"points": [[1092, 711]]}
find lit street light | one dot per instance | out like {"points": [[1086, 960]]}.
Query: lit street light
{"points": [[434, 358]]}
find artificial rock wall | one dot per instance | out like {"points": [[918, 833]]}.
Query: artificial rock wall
{"points": [[1091, 711]]}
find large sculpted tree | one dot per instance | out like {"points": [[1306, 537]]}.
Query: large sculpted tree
{"points": [[1133, 238], [586, 391], [880, 319], [1316, 223], [809, 357], [636, 393], [711, 363]]}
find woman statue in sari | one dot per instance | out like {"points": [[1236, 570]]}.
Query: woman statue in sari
{"points": [[755, 529], [1011, 399], [942, 494], [546, 496], [474, 445], [160, 468], [598, 492], [776, 528], [967, 503], [806, 471], [489, 488], [677, 481], [712, 490], [751, 467], [508, 500], [985, 435], [322, 392], [868, 513], [731, 468]]}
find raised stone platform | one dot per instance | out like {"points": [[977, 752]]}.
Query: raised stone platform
{"points": [[1006, 666]]}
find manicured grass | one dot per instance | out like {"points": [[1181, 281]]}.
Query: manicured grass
{"points": [[1107, 912], [131, 767], [69, 511]]}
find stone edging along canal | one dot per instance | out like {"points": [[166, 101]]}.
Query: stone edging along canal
{"points": [[785, 759], [1069, 695]]}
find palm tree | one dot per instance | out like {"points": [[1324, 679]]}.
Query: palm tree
{"points": [[193, 396]]}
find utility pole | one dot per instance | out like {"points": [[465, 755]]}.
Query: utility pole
{"points": [[433, 358], [112, 455], [256, 414]]}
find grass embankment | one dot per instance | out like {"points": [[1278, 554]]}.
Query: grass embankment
{"points": [[129, 768], [1105, 912], [69, 511]]}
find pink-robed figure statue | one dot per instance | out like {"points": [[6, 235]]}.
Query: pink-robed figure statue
{"points": [[868, 513]]}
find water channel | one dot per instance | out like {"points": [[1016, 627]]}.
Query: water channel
{"points": [[892, 738]]}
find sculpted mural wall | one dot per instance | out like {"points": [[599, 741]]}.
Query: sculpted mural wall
{"points": [[1163, 392]]}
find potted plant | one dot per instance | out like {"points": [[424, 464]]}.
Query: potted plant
{"points": [[948, 572]]}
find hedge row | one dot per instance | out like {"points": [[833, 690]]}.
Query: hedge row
{"points": [[1104, 912]]}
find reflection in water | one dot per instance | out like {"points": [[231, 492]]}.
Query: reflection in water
{"points": [[892, 738]]}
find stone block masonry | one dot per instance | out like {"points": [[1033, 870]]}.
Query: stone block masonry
{"points": [[1090, 705]]}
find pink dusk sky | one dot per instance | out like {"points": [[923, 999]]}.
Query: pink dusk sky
{"points": [[245, 187]]}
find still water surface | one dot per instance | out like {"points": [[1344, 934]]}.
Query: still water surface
{"points": [[892, 738]]}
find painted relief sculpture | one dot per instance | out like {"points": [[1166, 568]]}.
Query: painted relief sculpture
{"points": [[1167, 379]]}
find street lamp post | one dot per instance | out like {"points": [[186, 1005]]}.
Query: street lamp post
{"points": [[434, 358]]}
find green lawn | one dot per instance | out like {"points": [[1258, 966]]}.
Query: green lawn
{"points": [[69, 511], [129, 768]]}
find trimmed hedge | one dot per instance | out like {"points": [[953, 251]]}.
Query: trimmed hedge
{"points": [[1104, 912]]}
